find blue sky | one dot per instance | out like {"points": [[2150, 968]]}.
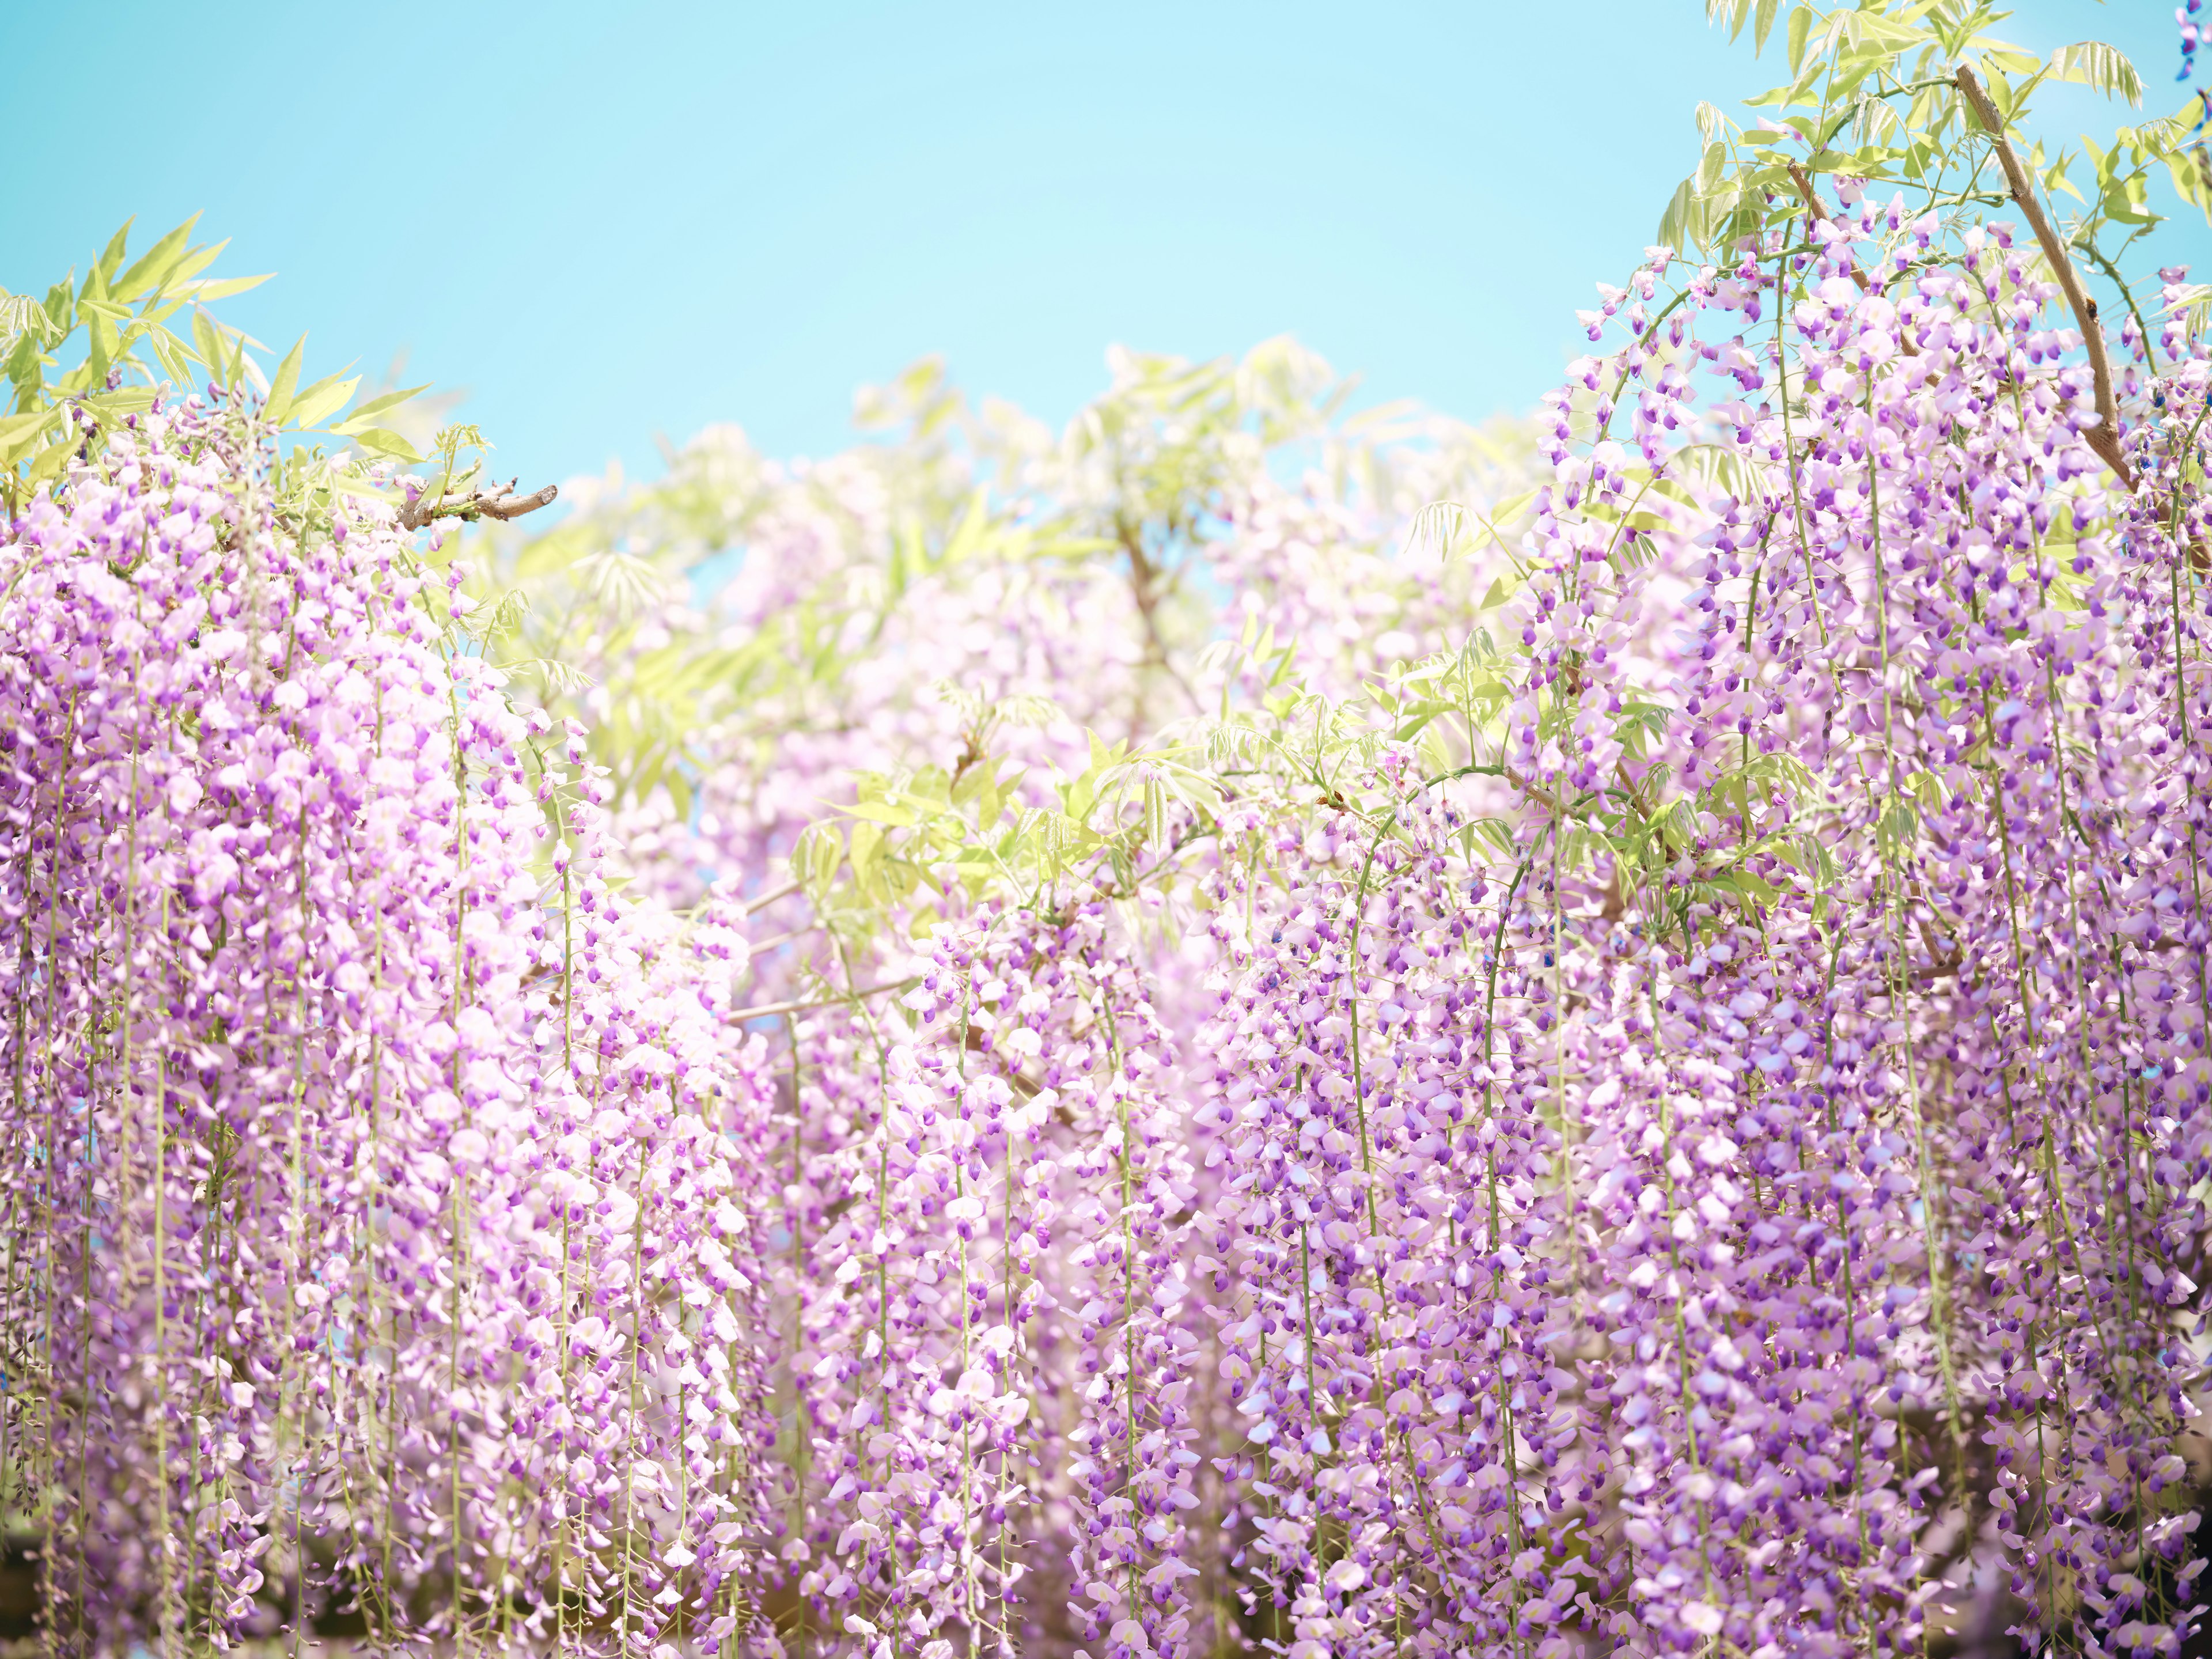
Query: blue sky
{"points": [[612, 222]]}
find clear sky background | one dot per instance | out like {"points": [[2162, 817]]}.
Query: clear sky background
{"points": [[613, 221]]}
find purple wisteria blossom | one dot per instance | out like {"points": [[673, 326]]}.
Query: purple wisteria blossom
{"points": [[1642, 1088]]}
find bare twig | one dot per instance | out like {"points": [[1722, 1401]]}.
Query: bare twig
{"points": [[1020, 1081], [513, 506], [762, 900], [740, 1016], [1819, 209], [500, 501], [1143, 589], [1537, 792], [2104, 438], [761, 945]]}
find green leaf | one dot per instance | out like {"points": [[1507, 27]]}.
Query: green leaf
{"points": [[320, 399], [109, 260], [207, 340], [384, 400], [1155, 813], [1764, 26], [14, 427], [101, 344], [2189, 182], [1711, 165], [1076, 799], [973, 530], [1675, 224], [128, 400], [1898, 827], [172, 353], [49, 465], [194, 261], [382, 441], [223, 287], [19, 432], [2093, 64], [1800, 30], [879, 811], [279, 402], [1755, 887], [1717, 466], [1891, 35], [153, 267]]}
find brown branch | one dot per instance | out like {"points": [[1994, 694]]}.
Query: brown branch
{"points": [[970, 752], [1537, 792], [762, 900], [740, 1016], [1018, 1080], [2106, 438], [1819, 209], [1635, 791], [499, 503], [1143, 579], [507, 507]]}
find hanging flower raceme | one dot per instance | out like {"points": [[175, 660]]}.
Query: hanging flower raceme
{"points": [[372, 1234], [1682, 1125], [1399, 1243], [1787, 1150], [993, 1360]]}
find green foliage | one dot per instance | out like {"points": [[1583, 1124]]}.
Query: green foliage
{"points": [[634, 623], [621, 615], [1872, 97], [107, 346]]}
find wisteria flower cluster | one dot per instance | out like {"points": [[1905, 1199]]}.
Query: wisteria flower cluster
{"points": [[384, 1223], [1709, 1225]]}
